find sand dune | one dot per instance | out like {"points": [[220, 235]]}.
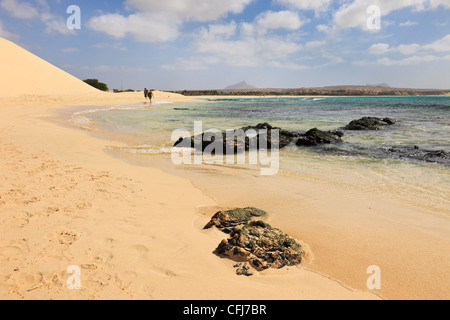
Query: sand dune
{"points": [[25, 73], [26, 78]]}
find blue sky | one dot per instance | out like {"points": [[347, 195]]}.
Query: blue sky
{"points": [[210, 44]]}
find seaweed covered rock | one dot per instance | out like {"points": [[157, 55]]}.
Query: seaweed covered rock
{"points": [[227, 220], [369, 123], [315, 137], [262, 246], [255, 243]]}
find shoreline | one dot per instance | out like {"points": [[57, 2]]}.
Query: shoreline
{"points": [[353, 214], [80, 206]]}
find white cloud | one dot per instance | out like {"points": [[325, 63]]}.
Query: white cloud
{"points": [[322, 28], [410, 60], [6, 34], [316, 5], [278, 20], [160, 21], [354, 14], [441, 45], [24, 10], [408, 24], [315, 44], [254, 44], [408, 49], [379, 48], [214, 31], [55, 24], [289, 65], [383, 48], [247, 46], [21, 10], [197, 10], [144, 27]]}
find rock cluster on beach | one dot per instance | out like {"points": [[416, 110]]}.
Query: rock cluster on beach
{"points": [[285, 137], [254, 242]]}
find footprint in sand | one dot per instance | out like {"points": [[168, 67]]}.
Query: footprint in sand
{"points": [[107, 243], [67, 238], [10, 252], [141, 250], [13, 250], [104, 257]]}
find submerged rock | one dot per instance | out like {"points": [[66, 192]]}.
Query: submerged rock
{"points": [[416, 153], [316, 137], [369, 123]]}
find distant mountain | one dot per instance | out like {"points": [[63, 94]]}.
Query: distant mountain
{"points": [[240, 86], [379, 85]]}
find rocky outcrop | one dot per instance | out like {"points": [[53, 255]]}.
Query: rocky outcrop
{"points": [[369, 123], [254, 242], [264, 139], [317, 137], [262, 246]]}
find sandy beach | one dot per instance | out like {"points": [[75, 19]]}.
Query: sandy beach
{"points": [[137, 232]]}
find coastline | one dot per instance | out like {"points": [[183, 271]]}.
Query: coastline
{"points": [[134, 231], [338, 221]]}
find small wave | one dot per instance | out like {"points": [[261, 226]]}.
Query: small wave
{"points": [[143, 150], [80, 120]]}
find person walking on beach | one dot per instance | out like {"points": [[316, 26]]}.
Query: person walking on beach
{"points": [[150, 95], [145, 93]]}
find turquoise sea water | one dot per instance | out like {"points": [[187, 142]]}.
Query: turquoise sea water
{"points": [[364, 157], [422, 120]]}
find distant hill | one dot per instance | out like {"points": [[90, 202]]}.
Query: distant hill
{"points": [[341, 90], [240, 86], [379, 85]]}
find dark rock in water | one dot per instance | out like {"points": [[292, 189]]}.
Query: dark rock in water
{"points": [[369, 123], [240, 140], [255, 242], [227, 220], [316, 137], [415, 153], [262, 246]]}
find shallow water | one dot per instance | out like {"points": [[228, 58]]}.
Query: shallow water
{"points": [[363, 162]]}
